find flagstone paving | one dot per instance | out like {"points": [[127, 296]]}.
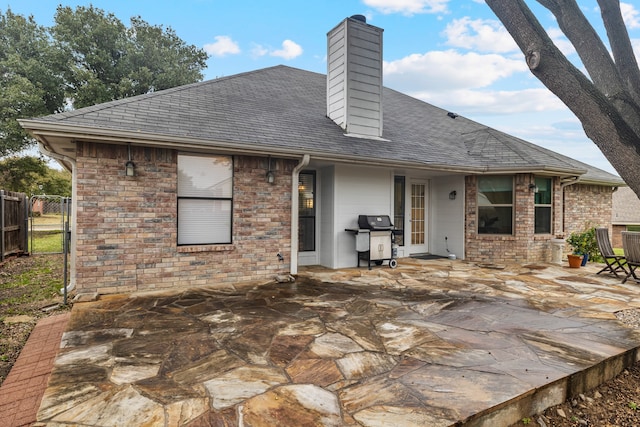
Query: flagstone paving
{"points": [[431, 343]]}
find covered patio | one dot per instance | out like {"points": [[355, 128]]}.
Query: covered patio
{"points": [[433, 342]]}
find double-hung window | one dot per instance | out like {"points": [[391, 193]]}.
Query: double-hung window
{"points": [[543, 200], [495, 204], [205, 199]]}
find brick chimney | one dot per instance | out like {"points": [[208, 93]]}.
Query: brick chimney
{"points": [[354, 77]]}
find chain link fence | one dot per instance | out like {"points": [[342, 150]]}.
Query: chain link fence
{"points": [[48, 224]]}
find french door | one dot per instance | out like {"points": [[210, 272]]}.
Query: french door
{"points": [[418, 218]]}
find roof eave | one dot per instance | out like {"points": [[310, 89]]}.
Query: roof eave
{"points": [[44, 131]]}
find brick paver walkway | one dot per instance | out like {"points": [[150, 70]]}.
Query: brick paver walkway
{"points": [[22, 390]]}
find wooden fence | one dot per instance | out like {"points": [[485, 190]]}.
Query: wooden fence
{"points": [[14, 210]]}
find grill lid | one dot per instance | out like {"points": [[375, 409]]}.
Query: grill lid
{"points": [[375, 222]]}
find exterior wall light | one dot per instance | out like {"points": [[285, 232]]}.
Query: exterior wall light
{"points": [[129, 167], [452, 195], [533, 187], [271, 176]]}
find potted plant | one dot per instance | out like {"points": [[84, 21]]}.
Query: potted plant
{"points": [[583, 244]]}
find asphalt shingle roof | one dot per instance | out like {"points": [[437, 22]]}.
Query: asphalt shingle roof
{"points": [[284, 109]]}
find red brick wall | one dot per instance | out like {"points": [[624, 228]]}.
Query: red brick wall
{"points": [[127, 226], [524, 245], [587, 206], [616, 235]]}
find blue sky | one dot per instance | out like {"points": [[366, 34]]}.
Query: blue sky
{"points": [[451, 53]]}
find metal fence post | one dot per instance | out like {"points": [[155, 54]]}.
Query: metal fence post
{"points": [[2, 235]]}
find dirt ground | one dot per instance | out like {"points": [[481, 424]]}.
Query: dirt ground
{"points": [[615, 403], [26, 296]]}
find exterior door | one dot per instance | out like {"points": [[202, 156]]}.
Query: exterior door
{"points": [[418, 218]]}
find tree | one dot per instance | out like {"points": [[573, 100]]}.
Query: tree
{"points": [[30, 82], [86, 58], [107, 61], [607, 102], [31, 175]]}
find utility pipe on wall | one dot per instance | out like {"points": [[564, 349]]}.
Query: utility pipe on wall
{"points": [[565, 183], [293, 269]]}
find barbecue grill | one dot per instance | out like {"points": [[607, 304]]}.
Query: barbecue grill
{"points": [[375, 240]]}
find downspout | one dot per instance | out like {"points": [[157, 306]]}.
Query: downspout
{"points": [[294, 213], [74, 201], [565, 183]]}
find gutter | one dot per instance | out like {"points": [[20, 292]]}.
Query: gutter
{"points": [[565, 182], [42, 129], [293, 266]]}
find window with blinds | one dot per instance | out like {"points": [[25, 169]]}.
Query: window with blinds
{"points": [[205, 199]]}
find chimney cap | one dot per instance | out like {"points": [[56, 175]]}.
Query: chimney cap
{"points": [[360, 18]]}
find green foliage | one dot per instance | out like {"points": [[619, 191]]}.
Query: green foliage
{"points": [[47, 241], [526, 420], [30, 81], [633, 405], [106, 60], [584, 242], [87, 57], [31, 175], [36, 285]]}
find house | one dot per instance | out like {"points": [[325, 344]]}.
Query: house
{"points": [[625, 214], [250, 176]]}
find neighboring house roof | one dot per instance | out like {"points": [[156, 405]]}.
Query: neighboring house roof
{"points": [[282, 111], [626, 207]]}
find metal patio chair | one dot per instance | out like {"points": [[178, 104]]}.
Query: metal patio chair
{"points": [[614, 263], [631, 245]]}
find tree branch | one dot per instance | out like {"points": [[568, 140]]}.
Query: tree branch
{"points": [[623, 54], [592, 51], [603, 123]]}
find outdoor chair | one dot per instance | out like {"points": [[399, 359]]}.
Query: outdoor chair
{"points": [[631, 245], [614, 263]]}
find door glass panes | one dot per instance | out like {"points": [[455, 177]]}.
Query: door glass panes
{"points": [[417, 214], [307, 211]]}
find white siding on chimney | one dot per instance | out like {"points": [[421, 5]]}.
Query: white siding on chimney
{"points": [[354, 77]]}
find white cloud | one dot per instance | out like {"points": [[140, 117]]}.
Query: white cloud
{"points": [[408, 7], [440, 71], [492, 102], [223, 46], [484, 35], [259, 50], [630, 15], [290, 50]]}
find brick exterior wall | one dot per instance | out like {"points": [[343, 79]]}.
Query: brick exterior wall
{"points": [[589, 206], [615, 234], [126, 227], [582, 205]]}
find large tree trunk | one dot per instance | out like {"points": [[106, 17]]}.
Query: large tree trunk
{"points": [[607, 104]]}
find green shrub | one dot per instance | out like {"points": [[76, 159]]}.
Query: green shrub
{"points": [[584, 242]]}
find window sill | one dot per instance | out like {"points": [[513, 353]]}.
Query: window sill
{"points": [[206, 248]]}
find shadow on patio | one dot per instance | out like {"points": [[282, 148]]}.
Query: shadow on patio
{"points": [[431, 343]]}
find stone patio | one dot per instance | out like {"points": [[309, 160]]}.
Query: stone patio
{"points": [[431, 343]]}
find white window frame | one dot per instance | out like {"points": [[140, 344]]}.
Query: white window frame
{"points": [[548, 206], [205, 199], [486, 205]]}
